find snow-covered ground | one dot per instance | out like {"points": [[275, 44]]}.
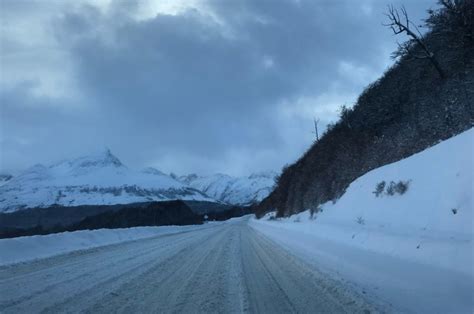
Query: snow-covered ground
{"points": [[24, 249], [218, 268], [413, 250]]}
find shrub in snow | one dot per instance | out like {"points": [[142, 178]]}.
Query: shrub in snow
{"points": [[397, 188], [391, 188], [379, 188], [360, 220], [454, 210], [401, 187]]}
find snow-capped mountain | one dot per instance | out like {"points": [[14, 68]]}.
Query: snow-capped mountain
{"points": [[233, 190], [99, 179]]}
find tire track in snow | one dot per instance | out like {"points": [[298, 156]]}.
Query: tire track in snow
{"points": [[226, 268]]}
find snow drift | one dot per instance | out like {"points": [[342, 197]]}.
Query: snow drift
{"points": [[23, 249]]}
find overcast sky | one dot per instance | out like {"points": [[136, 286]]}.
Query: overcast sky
{"points": [[227, 86]]}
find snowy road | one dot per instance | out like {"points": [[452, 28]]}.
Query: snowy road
{"points": [[225, 267]]}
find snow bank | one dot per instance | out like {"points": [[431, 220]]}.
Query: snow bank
{"points": [[34, 247], [414, 250]]}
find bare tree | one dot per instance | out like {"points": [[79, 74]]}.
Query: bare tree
{"points": [[400, 23]]}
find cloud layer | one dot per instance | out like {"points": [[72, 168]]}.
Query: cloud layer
{"points": [[196, 86]]}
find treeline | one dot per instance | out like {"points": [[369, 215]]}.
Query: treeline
{"points": [[116, 216], [410, 108]]}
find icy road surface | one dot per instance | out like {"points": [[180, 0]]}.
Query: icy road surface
{"points": [[226, 267]]}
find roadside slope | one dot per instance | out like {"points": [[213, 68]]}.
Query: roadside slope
{"points": [[410, 108], [413, 249], [24, 249]]}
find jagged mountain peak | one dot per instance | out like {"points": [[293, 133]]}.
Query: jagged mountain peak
{"points": [[153, 171], [103, 158], [84, 164]]}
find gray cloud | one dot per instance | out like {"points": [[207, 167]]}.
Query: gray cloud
{"points": [[229, 87]]}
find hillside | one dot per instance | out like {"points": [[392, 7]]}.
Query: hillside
{"points": [[385, 240], [410, 108]]}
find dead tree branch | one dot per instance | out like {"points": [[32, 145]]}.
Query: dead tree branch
{"points": [[399, 23]]}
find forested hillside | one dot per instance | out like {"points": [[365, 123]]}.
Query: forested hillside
{"points": [[425, 97]]}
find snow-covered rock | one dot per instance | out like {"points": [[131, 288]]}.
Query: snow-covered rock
{"points": [[99, 179], [233, 190]]}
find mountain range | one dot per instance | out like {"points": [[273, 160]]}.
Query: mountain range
{"points": [[102, 179], [232, 190]]}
